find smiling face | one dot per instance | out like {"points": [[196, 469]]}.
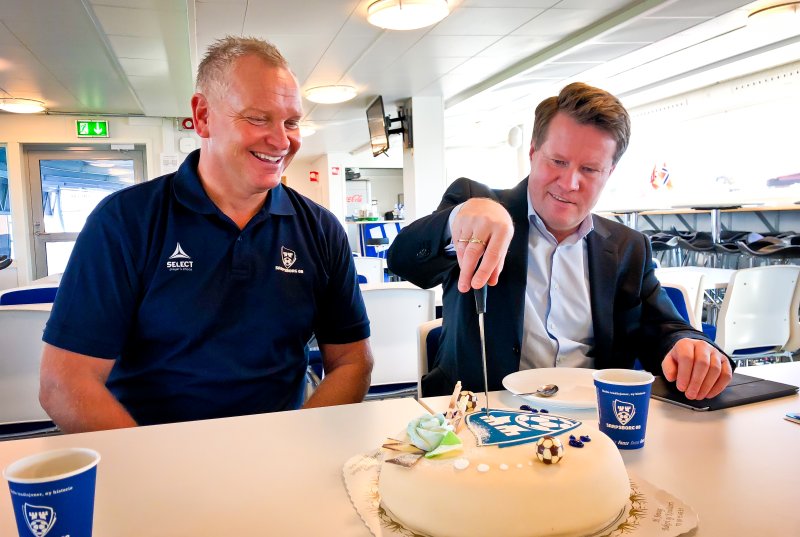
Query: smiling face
{"points": [[568, 173], [250, 129]]}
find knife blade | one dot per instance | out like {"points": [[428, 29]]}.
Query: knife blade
{"points": [[480, 307]]}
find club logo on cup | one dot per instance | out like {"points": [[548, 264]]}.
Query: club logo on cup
{"points": [[624, 411], [40, 518]]}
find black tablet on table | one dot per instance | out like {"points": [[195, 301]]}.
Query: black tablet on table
{"points": [[742, 390]]}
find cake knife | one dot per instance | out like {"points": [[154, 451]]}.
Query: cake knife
{"points": [[480, 306]]}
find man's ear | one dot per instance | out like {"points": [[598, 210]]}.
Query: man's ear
{"points": [[200, 110]]}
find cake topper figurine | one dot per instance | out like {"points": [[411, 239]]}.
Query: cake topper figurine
{"points": [[456, 410]]}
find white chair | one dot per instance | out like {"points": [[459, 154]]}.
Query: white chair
{"points": [[422, 341], [691, 284], [793, 343], [683, 303], [371, 268], [395, 313], [21, 345], [756, 311], [43, 293]]}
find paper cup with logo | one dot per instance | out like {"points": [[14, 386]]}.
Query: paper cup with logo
{"points": [[623, 398], [53, 492]]}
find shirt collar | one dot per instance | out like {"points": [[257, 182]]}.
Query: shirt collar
{"points": [[189, 191], [584, 228]]}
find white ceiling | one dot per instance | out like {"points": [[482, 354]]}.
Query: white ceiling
{"points": [[490, 60]]}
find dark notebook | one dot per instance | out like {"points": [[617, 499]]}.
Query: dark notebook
{"points": [[741, 391]]}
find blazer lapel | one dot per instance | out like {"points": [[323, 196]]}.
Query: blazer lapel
{"points": [[602, 277], [516, 202]]}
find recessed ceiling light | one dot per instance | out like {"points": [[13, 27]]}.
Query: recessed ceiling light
{"points": [[330, 94], [21, 106], [406, 14]]}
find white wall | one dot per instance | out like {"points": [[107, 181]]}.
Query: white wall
{"points": [[720, 144]]}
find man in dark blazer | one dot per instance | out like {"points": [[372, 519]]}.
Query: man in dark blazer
{"points": [[510, 238]]}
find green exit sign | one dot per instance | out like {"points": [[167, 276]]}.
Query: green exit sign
{"points": [[91, 129]]}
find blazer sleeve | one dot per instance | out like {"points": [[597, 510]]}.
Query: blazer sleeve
{"points": [[418, 252]]}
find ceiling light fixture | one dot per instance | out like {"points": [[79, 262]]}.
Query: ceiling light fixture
{"points": [[330, 94], [776, 17], [21, 106], [406, 14]]}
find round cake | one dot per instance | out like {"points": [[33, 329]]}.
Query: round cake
{"points": [[508, 491]]}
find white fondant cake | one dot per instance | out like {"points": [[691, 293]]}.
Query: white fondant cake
{"points": [[488, 490]]}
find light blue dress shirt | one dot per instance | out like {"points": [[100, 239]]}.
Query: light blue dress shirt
{"points": [[557, 330]]}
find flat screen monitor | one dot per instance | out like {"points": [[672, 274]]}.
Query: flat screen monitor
{"points": [[378, 128]]}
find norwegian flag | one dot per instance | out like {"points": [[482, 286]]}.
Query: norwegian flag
{"points": [[660, 177]]}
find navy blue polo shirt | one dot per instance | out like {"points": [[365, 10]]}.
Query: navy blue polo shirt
{"points": [[205, 320]]}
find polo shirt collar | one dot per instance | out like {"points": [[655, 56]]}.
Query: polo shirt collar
{"points": [[189, 191]]}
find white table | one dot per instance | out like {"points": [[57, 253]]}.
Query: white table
{"points": [[713, 278], [280, 474], [269, 474], [739, 468]]}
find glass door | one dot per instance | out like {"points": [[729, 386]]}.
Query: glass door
{"points": [[66, 185]]}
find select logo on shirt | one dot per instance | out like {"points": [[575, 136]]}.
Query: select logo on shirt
{"points": [[288, 258], [179, 260]]}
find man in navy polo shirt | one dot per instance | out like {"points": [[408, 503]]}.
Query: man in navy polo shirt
{"points": [[192, 296]]}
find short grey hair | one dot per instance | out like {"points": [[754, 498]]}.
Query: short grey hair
{"points": [[221, 55]]}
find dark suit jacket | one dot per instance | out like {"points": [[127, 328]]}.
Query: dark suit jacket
{"points": [[632, 316]]}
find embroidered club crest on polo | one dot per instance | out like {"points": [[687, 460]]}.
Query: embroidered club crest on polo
{"points": [[511, 427], [623, 411], [39, 518], [288, 256]]}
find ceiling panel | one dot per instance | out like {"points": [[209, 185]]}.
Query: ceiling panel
{"points": [[162, 5], [599, 52], [272, 17], [86, 69], [218, 19], [148, 48], [517, 47], [542, 4], [129, 21], [492, 57], [559, 69], [648, 30], [606, 5], [302, 51], [452, 46], [559, 22], [693, 8], [140, 67], [484, 21]]}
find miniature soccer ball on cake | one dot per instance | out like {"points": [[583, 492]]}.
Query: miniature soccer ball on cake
{"points": [[515, 474]]}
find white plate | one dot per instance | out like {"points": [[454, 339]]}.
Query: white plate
{"points": [[575, 386]]}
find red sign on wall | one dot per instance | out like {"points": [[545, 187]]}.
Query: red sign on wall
{"points": [[334, 170]]}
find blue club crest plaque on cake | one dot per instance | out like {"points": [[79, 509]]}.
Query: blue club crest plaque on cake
{"points": [[512, 427]]}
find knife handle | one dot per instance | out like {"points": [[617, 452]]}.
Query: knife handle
{"points": [[480, 299]]}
